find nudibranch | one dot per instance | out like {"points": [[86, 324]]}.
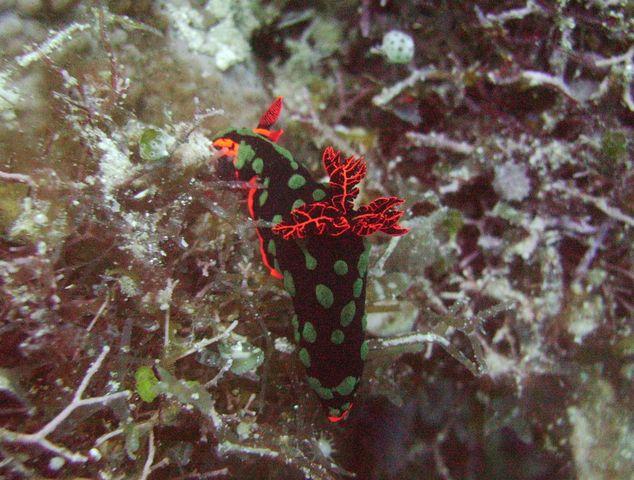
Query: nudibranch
{"points": [[316, 246]]}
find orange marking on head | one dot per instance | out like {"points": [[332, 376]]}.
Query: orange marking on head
{"points": [[229, 146], [262, 131], [343, 416], [272, 135]]}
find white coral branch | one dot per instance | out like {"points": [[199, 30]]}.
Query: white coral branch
{"points": [[621, 66], [292, 457], [626, 58], [388, 93], [439, 141], [39, 438], [198, 346], [147, 467], [51, 44], [17, 178], [488, 20], [536, 78], [599, 203]]}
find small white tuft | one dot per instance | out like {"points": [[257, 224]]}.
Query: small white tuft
{"points": [[511, 181]]}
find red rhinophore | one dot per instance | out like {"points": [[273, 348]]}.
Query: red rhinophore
{"points": [[336, 215], [271, 115], [268, 119]]}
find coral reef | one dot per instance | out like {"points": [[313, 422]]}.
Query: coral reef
{"points": [[140, 335]]}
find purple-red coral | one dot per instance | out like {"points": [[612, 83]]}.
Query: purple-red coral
{"points": [[336, 215]]}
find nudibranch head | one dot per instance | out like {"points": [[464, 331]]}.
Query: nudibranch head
{"points": [[229, 147]]}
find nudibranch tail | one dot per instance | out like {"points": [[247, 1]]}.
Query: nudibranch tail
{"points": [[326, 278]]}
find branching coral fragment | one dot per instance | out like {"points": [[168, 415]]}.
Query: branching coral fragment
{"points": [[147, 467], [293, 457], [599, 203], [440, 141], [51, 44], [17, 178], [446, 324], [490, 19], [39, 438], [198, 346], [388, 93], [620, 66]]}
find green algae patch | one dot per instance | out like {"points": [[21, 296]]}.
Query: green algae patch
{"points": [[11, 195], [244, 356], [146, 384], [154, 145]]}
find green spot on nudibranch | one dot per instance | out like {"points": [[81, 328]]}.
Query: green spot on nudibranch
{"points": [[263, 196], [277, 218], [347, 313], [364, 322], [294, 165], [295, 324], [297, 203], [296, 181], [362, 264], [258, 165], [311, 262], [319, 194], [285, 153], [337, 337], [289, 284], [357, 286], [341, 267], [304, 357], [313, 383], [323, 392], [324, 295], [245, 154], [309, 333], [364, 350], [346, 386], [271, 247]]}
